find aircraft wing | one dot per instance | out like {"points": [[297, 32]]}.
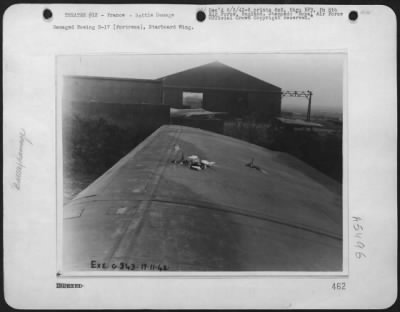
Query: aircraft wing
{"points": [[254, 210]]}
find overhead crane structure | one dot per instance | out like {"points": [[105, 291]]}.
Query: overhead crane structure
{"points": [[306, 94]]}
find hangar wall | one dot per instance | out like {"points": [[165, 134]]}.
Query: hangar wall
{"points": [[111, 90], [265, 104], [173, 97], [236, 103], [224, 89], [134, 104]]}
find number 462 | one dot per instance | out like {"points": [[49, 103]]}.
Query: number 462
{"points": [[339, 286]]}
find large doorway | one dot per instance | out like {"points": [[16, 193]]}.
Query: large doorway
{"points": [[192, 99]]}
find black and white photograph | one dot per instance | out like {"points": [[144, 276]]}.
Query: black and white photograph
{"points": [[202, 162], [200, 156]]}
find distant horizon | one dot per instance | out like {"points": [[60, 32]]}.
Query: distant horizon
{"points": [[322, 73]]}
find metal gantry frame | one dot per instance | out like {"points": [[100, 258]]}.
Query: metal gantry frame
{"points": [[306, 94]]}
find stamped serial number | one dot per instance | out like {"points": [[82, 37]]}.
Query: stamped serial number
{"points": [[126, 266]]}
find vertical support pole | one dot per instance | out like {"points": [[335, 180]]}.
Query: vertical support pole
{"points": [[309, 106]]}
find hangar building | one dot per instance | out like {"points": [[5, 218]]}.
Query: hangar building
{"points": [[217, 87], [223, 89]]}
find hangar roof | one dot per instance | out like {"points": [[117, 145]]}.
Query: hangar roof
{"points": [[216, 75]]}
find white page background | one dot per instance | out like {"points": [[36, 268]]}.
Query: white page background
{"points": [[30, 47]]}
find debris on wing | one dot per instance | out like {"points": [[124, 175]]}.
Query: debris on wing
{"points": [[263, 171], [207, 163], [175, 161], [193, 158], [195, 167], [252, 165], [121, 210], [193, 162]]}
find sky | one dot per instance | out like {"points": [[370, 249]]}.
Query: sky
{"points": [[321, 73]]}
